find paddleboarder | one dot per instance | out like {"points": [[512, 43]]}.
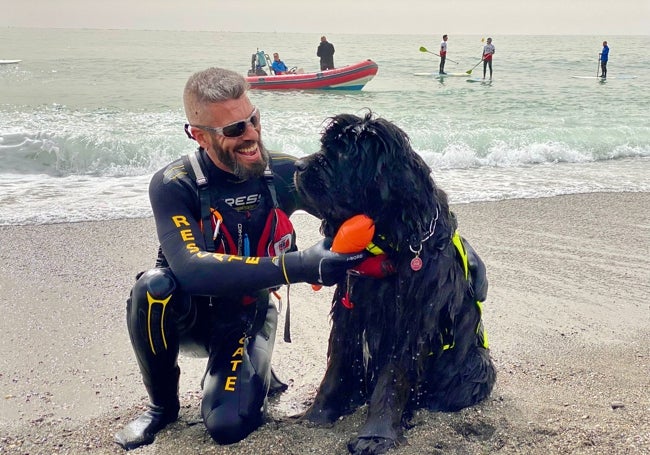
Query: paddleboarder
{"points": [[226, 243], [604, 57], [488, 52], [443, 54]]}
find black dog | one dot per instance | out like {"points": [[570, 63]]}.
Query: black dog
{"points": [[408, 339]]}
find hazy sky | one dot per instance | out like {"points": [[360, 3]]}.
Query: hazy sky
{"points": [[531, 17]]}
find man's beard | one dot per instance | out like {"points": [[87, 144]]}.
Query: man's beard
{"points": [[229, 159]]}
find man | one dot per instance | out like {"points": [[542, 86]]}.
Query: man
{"points": [[278, 65], [604, 56], [326, 53], [488, 52], [443, 54], [226, 242]]}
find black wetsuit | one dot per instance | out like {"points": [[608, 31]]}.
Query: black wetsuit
{"points": [[326, 53], [224, 314]]}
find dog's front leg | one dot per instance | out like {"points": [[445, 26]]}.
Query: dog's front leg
{"points": [[383, 428]]}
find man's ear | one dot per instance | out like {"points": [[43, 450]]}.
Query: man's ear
{"points": [[200, 136]]}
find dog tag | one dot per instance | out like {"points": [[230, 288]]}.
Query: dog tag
{"points": [[345, 301], [416, 263]]}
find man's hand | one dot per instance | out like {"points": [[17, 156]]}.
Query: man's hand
{"points": [[318, 264]]}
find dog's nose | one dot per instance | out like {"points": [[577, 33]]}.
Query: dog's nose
{"points": [[301, 165]]}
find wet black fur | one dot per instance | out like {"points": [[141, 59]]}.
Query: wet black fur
{"points": [[366, 165]]}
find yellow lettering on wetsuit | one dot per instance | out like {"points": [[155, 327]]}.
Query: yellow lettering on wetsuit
{"points": [[231, 381], [186, 235], [180, 220]]}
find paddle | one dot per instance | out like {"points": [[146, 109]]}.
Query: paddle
{"points": [[479, 62], [424, 49], [469, 72], [598, 65]]}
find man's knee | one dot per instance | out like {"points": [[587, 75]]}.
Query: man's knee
{"points": [[226, 426], [158, 286], [154, 310], [231, 415], [157, 283]]}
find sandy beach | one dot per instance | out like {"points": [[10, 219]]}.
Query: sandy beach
{"points": [[567, 315]]}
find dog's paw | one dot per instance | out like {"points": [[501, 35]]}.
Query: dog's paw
{"points": [[371, 445], [320, 416]]}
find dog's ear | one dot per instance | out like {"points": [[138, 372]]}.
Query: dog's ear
{"points": [[399, 171], [385, 178]]}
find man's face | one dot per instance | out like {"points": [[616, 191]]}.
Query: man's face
{"points": [[244, 155]]}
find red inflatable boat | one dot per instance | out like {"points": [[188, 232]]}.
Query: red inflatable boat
{"points": [[351, 77]]}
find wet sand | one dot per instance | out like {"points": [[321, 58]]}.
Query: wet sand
{"points": [[568, 319]]}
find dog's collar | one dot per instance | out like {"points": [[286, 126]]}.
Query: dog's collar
{"points": [[415, 245]]}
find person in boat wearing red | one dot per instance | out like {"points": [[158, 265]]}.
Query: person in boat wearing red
{"points": [[443, 54], [226, 243], [488, 52], [326, 53]]}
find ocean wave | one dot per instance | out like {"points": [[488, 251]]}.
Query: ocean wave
{"points": [[58, 142], [139, 147]]}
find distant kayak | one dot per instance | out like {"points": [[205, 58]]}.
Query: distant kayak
{"points": [[9, 62]]}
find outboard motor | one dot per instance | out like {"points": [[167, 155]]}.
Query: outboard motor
{"points": [[251, 72]]}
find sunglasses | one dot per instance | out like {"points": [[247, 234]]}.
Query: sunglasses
{"points": [[234, 129]]}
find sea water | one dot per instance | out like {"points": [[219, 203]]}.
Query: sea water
{"points": [[89, 115]]}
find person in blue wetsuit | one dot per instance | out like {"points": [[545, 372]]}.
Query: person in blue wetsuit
{"points": [[226, 242], [604, 56]]}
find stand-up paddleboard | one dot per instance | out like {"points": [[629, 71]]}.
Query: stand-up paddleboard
{"points": [[9, 62], [441, 75], [620, 76]]}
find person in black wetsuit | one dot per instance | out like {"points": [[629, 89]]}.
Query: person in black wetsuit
{"points": [[226, 242], [326, 53]]}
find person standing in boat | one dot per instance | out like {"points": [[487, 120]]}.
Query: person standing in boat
{"points": [[326, 53], [443, 54], [488, 52]]}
